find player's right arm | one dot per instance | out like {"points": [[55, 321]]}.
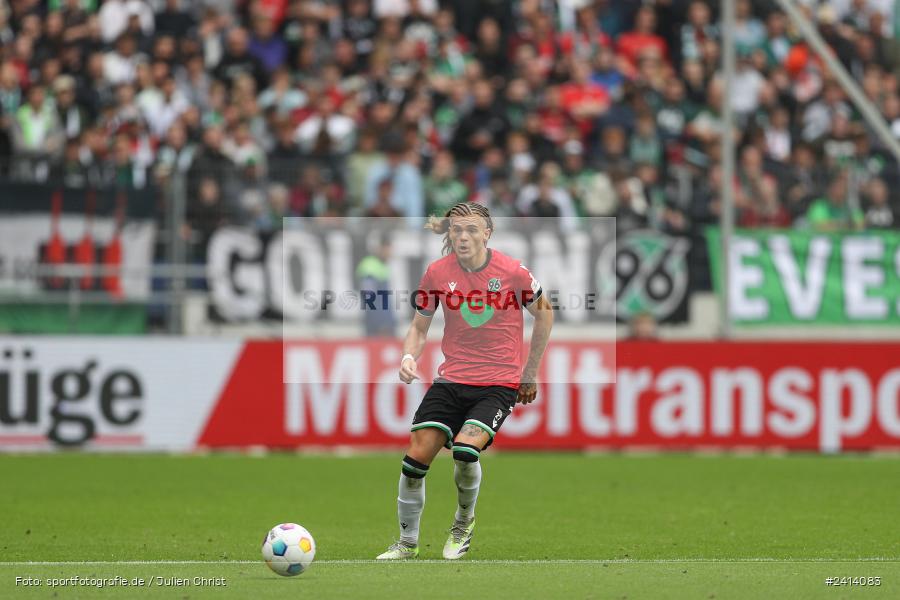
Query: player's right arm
{"points": [[413, 346]]}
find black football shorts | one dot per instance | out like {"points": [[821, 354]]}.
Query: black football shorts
{"points": [[448, 406]]}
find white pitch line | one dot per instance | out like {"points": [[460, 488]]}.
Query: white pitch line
{"points": [[75, 563]]}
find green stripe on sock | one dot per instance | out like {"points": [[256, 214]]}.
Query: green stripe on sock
{"points": [[469, 450], [406, 465]]}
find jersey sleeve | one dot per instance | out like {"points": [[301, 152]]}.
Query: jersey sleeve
{"points": [[527, 287], [425, 298]]}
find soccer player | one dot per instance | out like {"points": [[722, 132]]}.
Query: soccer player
{"points": [[482, 292]]}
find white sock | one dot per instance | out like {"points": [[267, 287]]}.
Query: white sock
{"points": [[410, 503], [468, 479]]}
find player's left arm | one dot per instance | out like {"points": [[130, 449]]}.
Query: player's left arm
{"points": [[542, 311]]}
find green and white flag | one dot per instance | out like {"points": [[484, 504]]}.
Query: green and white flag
{"points": [[785, 277]]}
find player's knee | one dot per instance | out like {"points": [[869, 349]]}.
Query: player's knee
{"points": [[466, 453], [413, 468]]}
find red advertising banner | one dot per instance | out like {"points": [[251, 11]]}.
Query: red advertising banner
{"points": [[674, 395]]}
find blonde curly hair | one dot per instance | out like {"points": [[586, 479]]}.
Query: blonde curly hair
{"points": [[441, 225]]}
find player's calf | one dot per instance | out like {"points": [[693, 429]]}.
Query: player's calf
{"points": [[410, 502], [467, 475]]}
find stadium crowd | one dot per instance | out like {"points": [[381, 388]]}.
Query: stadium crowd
{"points": [[401, 108]]}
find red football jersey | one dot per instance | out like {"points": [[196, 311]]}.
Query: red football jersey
{"points": [[483, 319]]}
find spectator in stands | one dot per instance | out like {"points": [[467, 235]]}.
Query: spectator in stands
{"points": [[73, 117], [642, 327], [176, 155], [206, 212], [285, 154], [268, 48], [171, 105], [38, 136], [327, 133], [583, 183], [174, 20], [400, 179], [373, 277], [763, 208], [194, 81], [583, 99], [115, 14], [281, 94], [491, 50], [358, 165], [442, 187], [505, 88], [120, 65], [832, 213], [547, 198], [521, 161], [778, 135], [498, 197], [644, 145], [483, 126], [697, 30], [878, 212], [642, 41], [749, 32], [238, 60], [382, 206]]}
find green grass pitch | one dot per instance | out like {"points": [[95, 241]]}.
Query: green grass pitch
{"points": [[548, 526]]}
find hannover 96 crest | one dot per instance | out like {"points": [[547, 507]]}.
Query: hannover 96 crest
{"points": [[644, 271], [494, 285]]}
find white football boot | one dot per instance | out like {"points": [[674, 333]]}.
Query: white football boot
{"points": [[399, 551], [460, 538]]}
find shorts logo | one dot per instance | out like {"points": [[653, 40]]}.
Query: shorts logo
{"points": [[494, 285], [497, 418]]}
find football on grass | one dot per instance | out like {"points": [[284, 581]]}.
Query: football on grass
{"points": [[288, 549]]}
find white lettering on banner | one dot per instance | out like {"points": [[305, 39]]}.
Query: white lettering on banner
{"points": [[592, 378], [745, 277], [341, 270], [798, 412], [630, 384], [889, 402], [173, 395], [294, 268], [680, 412], [239, 294], [110, 393], [407, 246], [292, 254], [684, 402], [804, 300], [834, 425], [73, 402], [304, 372], [388, 416], [561, 270], [858, 304], [725, 382], [559, 417]]}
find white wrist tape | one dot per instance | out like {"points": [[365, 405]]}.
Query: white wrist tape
{"points": [[405, 356]]}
